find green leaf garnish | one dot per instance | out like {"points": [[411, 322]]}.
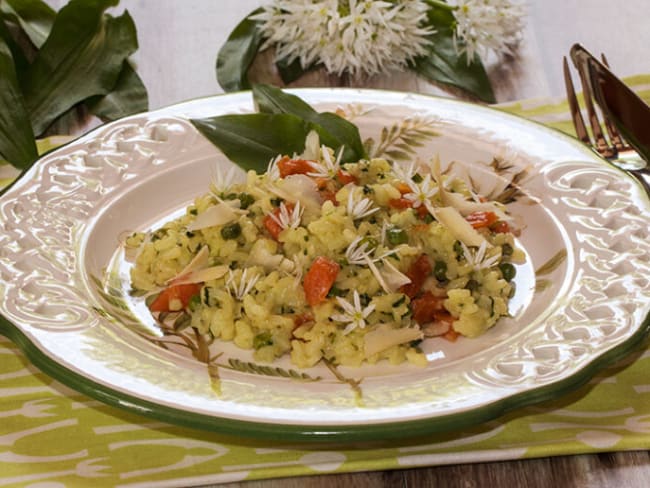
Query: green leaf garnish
{"points": [[128, 96], [16, 137], [237, 54], [334, 131], [252, 140], [290, 72], [82, 57], [35, 17], [59, 67], [444, 65]]}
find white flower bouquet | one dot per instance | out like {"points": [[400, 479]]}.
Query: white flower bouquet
{"points": [[445, 43]]}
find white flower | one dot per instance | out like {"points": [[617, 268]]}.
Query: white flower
{"points": [[354, 315], [354, 36], [358, 209], [222, 180], [359, 252], [299, 261], [488, 25], [326, 168], [288, 219], [406, 173], [272, 170], [245, 285], [478, 259], [422, 192]]}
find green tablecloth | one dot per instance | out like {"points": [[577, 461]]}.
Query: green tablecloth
{"points": [[50, 434]]}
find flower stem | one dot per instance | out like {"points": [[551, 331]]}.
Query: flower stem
{"points": [[441, 4]]}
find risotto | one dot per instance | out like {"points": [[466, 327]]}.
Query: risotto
{"points": [[347, 263]]}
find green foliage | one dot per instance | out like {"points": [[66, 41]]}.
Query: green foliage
{"points": [[252, 140], [54, 62], [442, 64], [237, 54]]}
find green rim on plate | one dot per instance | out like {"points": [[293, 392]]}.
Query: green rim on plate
{"points": [[577, 316]]}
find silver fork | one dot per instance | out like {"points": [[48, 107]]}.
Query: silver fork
{"points": [[608, 142]]}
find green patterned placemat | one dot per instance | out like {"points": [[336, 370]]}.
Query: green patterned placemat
{"points": [[53, 436]]}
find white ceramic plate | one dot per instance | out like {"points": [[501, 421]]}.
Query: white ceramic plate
{"points": [[582, 299]]}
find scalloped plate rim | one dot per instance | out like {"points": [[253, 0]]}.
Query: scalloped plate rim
{"points": [[346, 433]]}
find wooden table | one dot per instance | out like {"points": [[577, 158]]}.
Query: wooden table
{"points": [[178, 46]]}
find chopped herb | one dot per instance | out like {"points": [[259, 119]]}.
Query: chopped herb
{"points": [[399, 301], [458, 249], [262, 340], [276, 202], [417, 178], [367, 190], [336, 292], [195, 302], [440, 270], [507, 249], [371, 241], [159, 234], [193, 211], [472, 285]]}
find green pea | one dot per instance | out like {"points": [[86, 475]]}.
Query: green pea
{"points": [[231, 231], [246, 200], [508, 271], [195, 302], [440, 270], [396, 236]]}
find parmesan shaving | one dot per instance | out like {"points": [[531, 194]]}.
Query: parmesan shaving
{"points": [[384, 336], [459, 227], [198, 262], [220, 214], [202, 275]]}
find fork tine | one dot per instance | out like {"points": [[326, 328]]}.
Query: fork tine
{"points": [[574, 107], [614, 135], [602, 146]]}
